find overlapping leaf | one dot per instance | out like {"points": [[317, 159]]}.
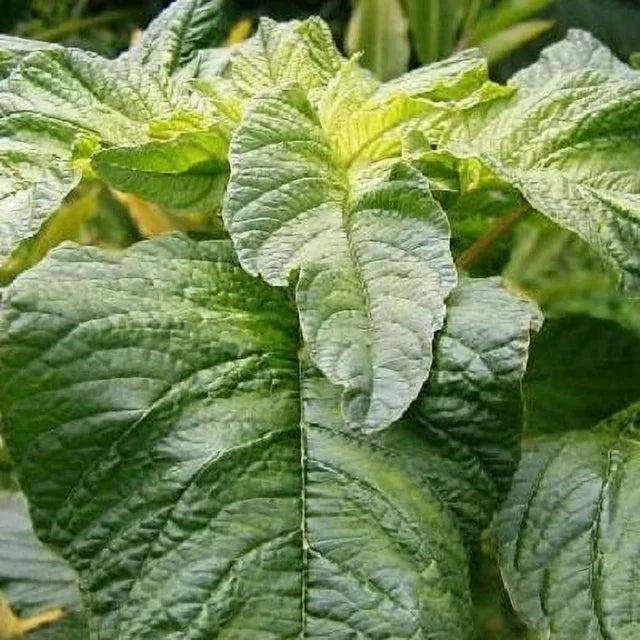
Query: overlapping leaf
{"points": [[228, 496], [568, 140], [569, 533]]}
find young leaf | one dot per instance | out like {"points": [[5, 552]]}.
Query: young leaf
{"points": [[279, 54], [379, 29], [568, 141], [188, 172], [227, 495], [568, 533], [176, 35], [373, 254]]}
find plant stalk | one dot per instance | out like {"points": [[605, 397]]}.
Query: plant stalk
{"points": [[471, 255]]}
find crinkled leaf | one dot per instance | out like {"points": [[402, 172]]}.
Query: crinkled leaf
{"points": [[568, 140], [293, 52], [373, 253], [582, 370], [50, 100], [188, 172], [379, 30], [568, 533], [200, 477], [470, 410], [13, 49], [176, 35]]}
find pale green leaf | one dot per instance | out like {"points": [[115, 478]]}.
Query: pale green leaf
{"points": [[568, 533], [188, 172], [568, 140], [379, 29], [199, 477], [13, 49], [174, 38], [373, 252], [293, 52]]}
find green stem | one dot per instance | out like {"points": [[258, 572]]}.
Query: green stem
{"points": [[81, 24], [471, 255]]}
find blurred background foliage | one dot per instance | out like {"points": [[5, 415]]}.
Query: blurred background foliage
{"points": [[592, 331]]}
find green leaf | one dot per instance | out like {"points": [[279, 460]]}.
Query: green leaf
{"points": [[379, 29], [568, 533], [13, 49], [188, 172], [635, 60], [173, 39], [470, 410], [199, 477], [51, 100], [434, 26], [568, 140], [499, 46], [373, 253], [278, 54], [32, 577], [582, 370], [504, 16]]}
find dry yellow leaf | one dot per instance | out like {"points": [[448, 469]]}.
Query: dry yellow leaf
{"points": [[13, 626]]}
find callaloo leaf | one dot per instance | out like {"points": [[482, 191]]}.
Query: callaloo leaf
{"points": [[568, 140], [569, 533], [187, 172], [174, 399], [373, 253], [176, 35], [300, 52], [470, 410]]}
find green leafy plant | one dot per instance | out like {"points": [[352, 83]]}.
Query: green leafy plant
{"points": [[386, 31], [297, 419]]}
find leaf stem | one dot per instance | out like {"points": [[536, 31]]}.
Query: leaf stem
{"points": [[485, 241], [75, 25]]}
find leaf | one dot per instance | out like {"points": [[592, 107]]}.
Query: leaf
{"points": [[471, 407], [199, 476], [373, 254], [379, 29], [634, 59], [568, 141], [500, 45], [13, 49], [188, 172], [278, 54], [175, 36], [434, 26], [505, 16], [582, 370], [568, 532], [53, 99]]}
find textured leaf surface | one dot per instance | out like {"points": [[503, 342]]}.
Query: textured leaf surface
{"points": [[373, 253], [293, 52], [569, 533], [182, 479], [471, 407], [49, 99], [187, 172], [568, 140], [177, 34]]}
